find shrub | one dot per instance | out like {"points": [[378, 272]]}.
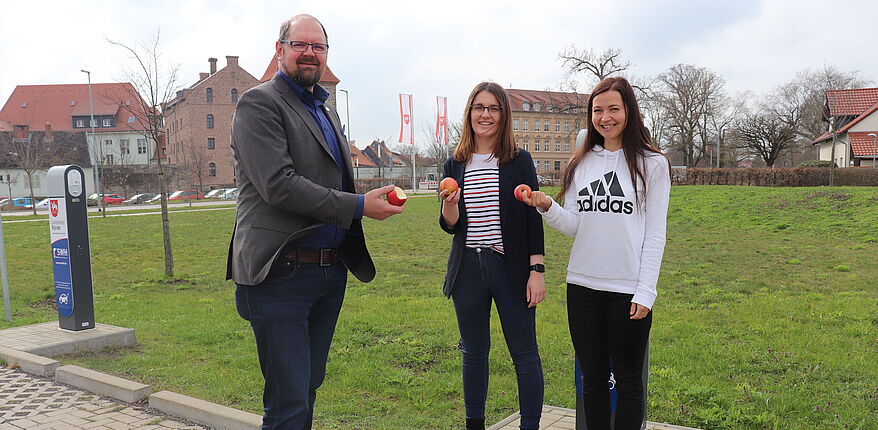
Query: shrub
{"points": [[776, 177]]}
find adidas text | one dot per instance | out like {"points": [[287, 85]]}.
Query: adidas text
{"points": [[605, 205]]}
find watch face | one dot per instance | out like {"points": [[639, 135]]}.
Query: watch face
{"points": [[539, 268]]}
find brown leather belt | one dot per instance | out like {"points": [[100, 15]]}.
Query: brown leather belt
{"points": [[323, 257]]}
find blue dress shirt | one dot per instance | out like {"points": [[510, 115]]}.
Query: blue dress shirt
{"points": [[328, 236]]}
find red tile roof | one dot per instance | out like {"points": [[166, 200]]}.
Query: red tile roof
{"points": [[545, 98], [35, 105], [328, 76], [862, 144], [851, 102], [864, 115], [364, 160]]}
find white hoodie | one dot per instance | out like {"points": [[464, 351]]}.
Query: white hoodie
{"points": [[617, 248]]}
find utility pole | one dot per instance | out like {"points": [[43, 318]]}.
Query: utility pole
{"points": [[96, 164]]}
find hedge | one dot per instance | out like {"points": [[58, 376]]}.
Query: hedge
{"points": [[776, 177]]}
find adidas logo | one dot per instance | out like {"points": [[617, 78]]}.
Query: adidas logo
{"points": [[599, 196]]}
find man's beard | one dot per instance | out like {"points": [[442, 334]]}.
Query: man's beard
{"points": [[307, 78]]}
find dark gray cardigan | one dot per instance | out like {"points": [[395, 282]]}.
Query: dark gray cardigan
{"points": [[521, 226]]}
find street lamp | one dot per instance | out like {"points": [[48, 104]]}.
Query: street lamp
{"points": [[874, 147], [347, 100], [95, 162]]}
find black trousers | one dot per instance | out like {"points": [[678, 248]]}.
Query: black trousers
{"points": [[602, 331]]}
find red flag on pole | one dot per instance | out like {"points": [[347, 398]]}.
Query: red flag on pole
{"points": [[441, 118], [405, 119]]}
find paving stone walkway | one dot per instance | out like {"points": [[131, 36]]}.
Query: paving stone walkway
{"points": [[31, 402], [555, 418]]}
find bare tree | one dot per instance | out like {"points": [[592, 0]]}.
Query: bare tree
{"points": [[688, 96], [600, 66], [766, 134], [435, 149], [29, 152], [155, 85]]}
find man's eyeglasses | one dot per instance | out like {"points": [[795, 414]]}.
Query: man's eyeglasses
{"points": [[479, 108], [318, 48]]}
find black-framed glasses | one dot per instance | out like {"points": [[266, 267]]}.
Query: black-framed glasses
{"points": [[479, 108], [318, 48]]}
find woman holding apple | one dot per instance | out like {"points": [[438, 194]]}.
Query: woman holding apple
{"points": [[615, 201], [496, 253]]}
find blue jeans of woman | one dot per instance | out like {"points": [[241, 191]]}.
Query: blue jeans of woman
{"points": [[482, 279], [293, 313], [602, 331]]}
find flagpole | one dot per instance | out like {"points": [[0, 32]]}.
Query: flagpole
{"points": [[412, 141]]}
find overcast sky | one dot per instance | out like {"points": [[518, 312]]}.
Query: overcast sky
{"points": [[382, 48]]}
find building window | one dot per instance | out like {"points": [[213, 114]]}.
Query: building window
{"points": [[209, 121], [546, 146], [93, 123], [80, 123], [211, 169], [234, 95], [537, 125], [546, 126], [141, 146], [566, 126], [108, 142], [545, 165], [208, 95], [557, 165], [124, 147], [536, 165], [130, 120], [525, 144], [109, 158], [524, 125], [558, 126], [515, 124], [537, 107], [567, 146], [558, 145], [525, 106], [537, 146], [211, 143], [106, 122]]}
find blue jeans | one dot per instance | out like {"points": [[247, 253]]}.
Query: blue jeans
{"points": [[293, 314], [481, 279]]}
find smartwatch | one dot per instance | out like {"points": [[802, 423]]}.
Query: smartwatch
{"points": [[539, 268]]}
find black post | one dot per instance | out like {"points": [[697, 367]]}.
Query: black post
{"points": [[71, 255]]}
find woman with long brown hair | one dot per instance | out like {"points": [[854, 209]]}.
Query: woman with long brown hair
{"points": [[615, 192], [496, 253]]}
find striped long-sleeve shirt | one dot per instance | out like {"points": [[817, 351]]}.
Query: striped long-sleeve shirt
{"points": [[481, 194]]}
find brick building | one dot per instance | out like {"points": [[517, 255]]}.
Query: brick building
{"points": [[546, 123], [198, 124]]}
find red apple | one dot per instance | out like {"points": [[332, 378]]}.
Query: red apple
{"points": [[448, 184], [521, 191], [396, 197]]}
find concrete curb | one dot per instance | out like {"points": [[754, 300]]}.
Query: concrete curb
{"points": [[102, 384], [204, 412], [28, 362]]}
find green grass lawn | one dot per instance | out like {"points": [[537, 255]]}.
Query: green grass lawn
{"points": [[767, 316]]}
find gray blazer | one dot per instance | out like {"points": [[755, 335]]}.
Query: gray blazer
{"points": [[288, 184]]}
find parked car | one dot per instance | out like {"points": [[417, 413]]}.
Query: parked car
{"points": [[186, 195], [113, 199], [22, 202], [230, 194], [4, 202], [139, 198], [214, 194], [109, 199], [42, 204]]}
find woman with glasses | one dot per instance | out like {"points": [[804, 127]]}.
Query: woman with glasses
{"points": [[615, 202], [496, 253]]}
